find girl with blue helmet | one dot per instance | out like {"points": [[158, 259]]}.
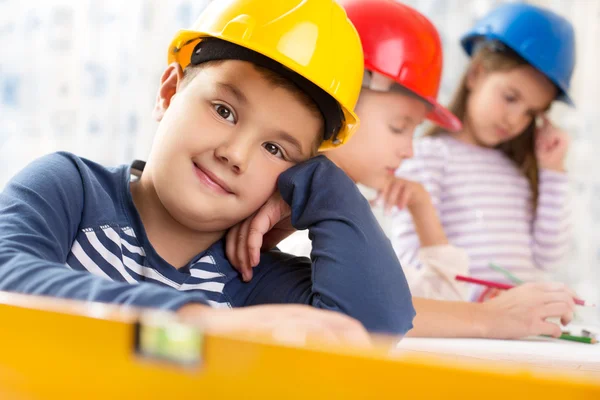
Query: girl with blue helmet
{"points": [[499, 185]]}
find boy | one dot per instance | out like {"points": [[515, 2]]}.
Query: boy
{"points": [[249, 95]]}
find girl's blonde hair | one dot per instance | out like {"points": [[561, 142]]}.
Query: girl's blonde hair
{"points": [[494, 57]]}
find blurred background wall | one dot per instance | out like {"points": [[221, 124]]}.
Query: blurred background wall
{"points": [[81, 75]]}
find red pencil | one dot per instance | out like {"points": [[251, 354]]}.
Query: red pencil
{"points": [[504, 286]]}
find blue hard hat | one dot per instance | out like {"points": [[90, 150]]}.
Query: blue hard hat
{"points": [[544, 39]]}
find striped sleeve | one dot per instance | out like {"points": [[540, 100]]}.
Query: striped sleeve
{"points": [[552, 223], [40, 212], [428, 168]]}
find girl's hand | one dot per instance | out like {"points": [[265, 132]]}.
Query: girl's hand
{"points": [[551, 145]]}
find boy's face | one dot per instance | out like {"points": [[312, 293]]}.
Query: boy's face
{"points": [[224, 138], [384, 139]]}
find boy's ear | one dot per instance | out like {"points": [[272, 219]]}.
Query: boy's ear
{"points": [[474, 75], [169, 82]]}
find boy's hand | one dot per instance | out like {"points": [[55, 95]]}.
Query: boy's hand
{"points": [[551, 145], [261, 231], [522, 311], [403, 193], [288, 323]]}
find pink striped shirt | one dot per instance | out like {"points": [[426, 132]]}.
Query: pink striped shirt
{"points": [[484, 203]]}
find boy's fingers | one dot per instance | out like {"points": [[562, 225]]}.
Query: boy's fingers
{"points": [[251, 264], [255, 241], [247, 252], [231, 247], [358, 337], [242, 249], [346, 328], [332, 318], [266, 218], [297, 332]]}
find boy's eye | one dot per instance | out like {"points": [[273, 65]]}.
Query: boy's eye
{"points": [[224, 112], [510, 99], [274, 149]]}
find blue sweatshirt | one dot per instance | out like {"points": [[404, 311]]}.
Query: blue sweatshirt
{"points": [[69, 229]]}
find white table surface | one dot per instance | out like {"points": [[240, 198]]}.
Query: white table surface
{"points": [[538, 351]]}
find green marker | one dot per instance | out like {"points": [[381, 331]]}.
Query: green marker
{"points": [[579, 339], [507, 274]]}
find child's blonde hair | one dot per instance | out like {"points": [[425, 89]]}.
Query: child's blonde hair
{"points": [[494, 57]]}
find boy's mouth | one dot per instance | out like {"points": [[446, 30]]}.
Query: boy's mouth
{"points": [[211, 180]]}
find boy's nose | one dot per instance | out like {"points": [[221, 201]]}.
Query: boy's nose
{"points": [[234, 154]]}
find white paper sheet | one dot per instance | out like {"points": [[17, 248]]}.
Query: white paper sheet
{"points": [[538, 351]]}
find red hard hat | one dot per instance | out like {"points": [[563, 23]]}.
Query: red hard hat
{"points": [[403, 45]]}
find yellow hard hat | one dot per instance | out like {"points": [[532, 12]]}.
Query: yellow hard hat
{"points": [[313, 38]]}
